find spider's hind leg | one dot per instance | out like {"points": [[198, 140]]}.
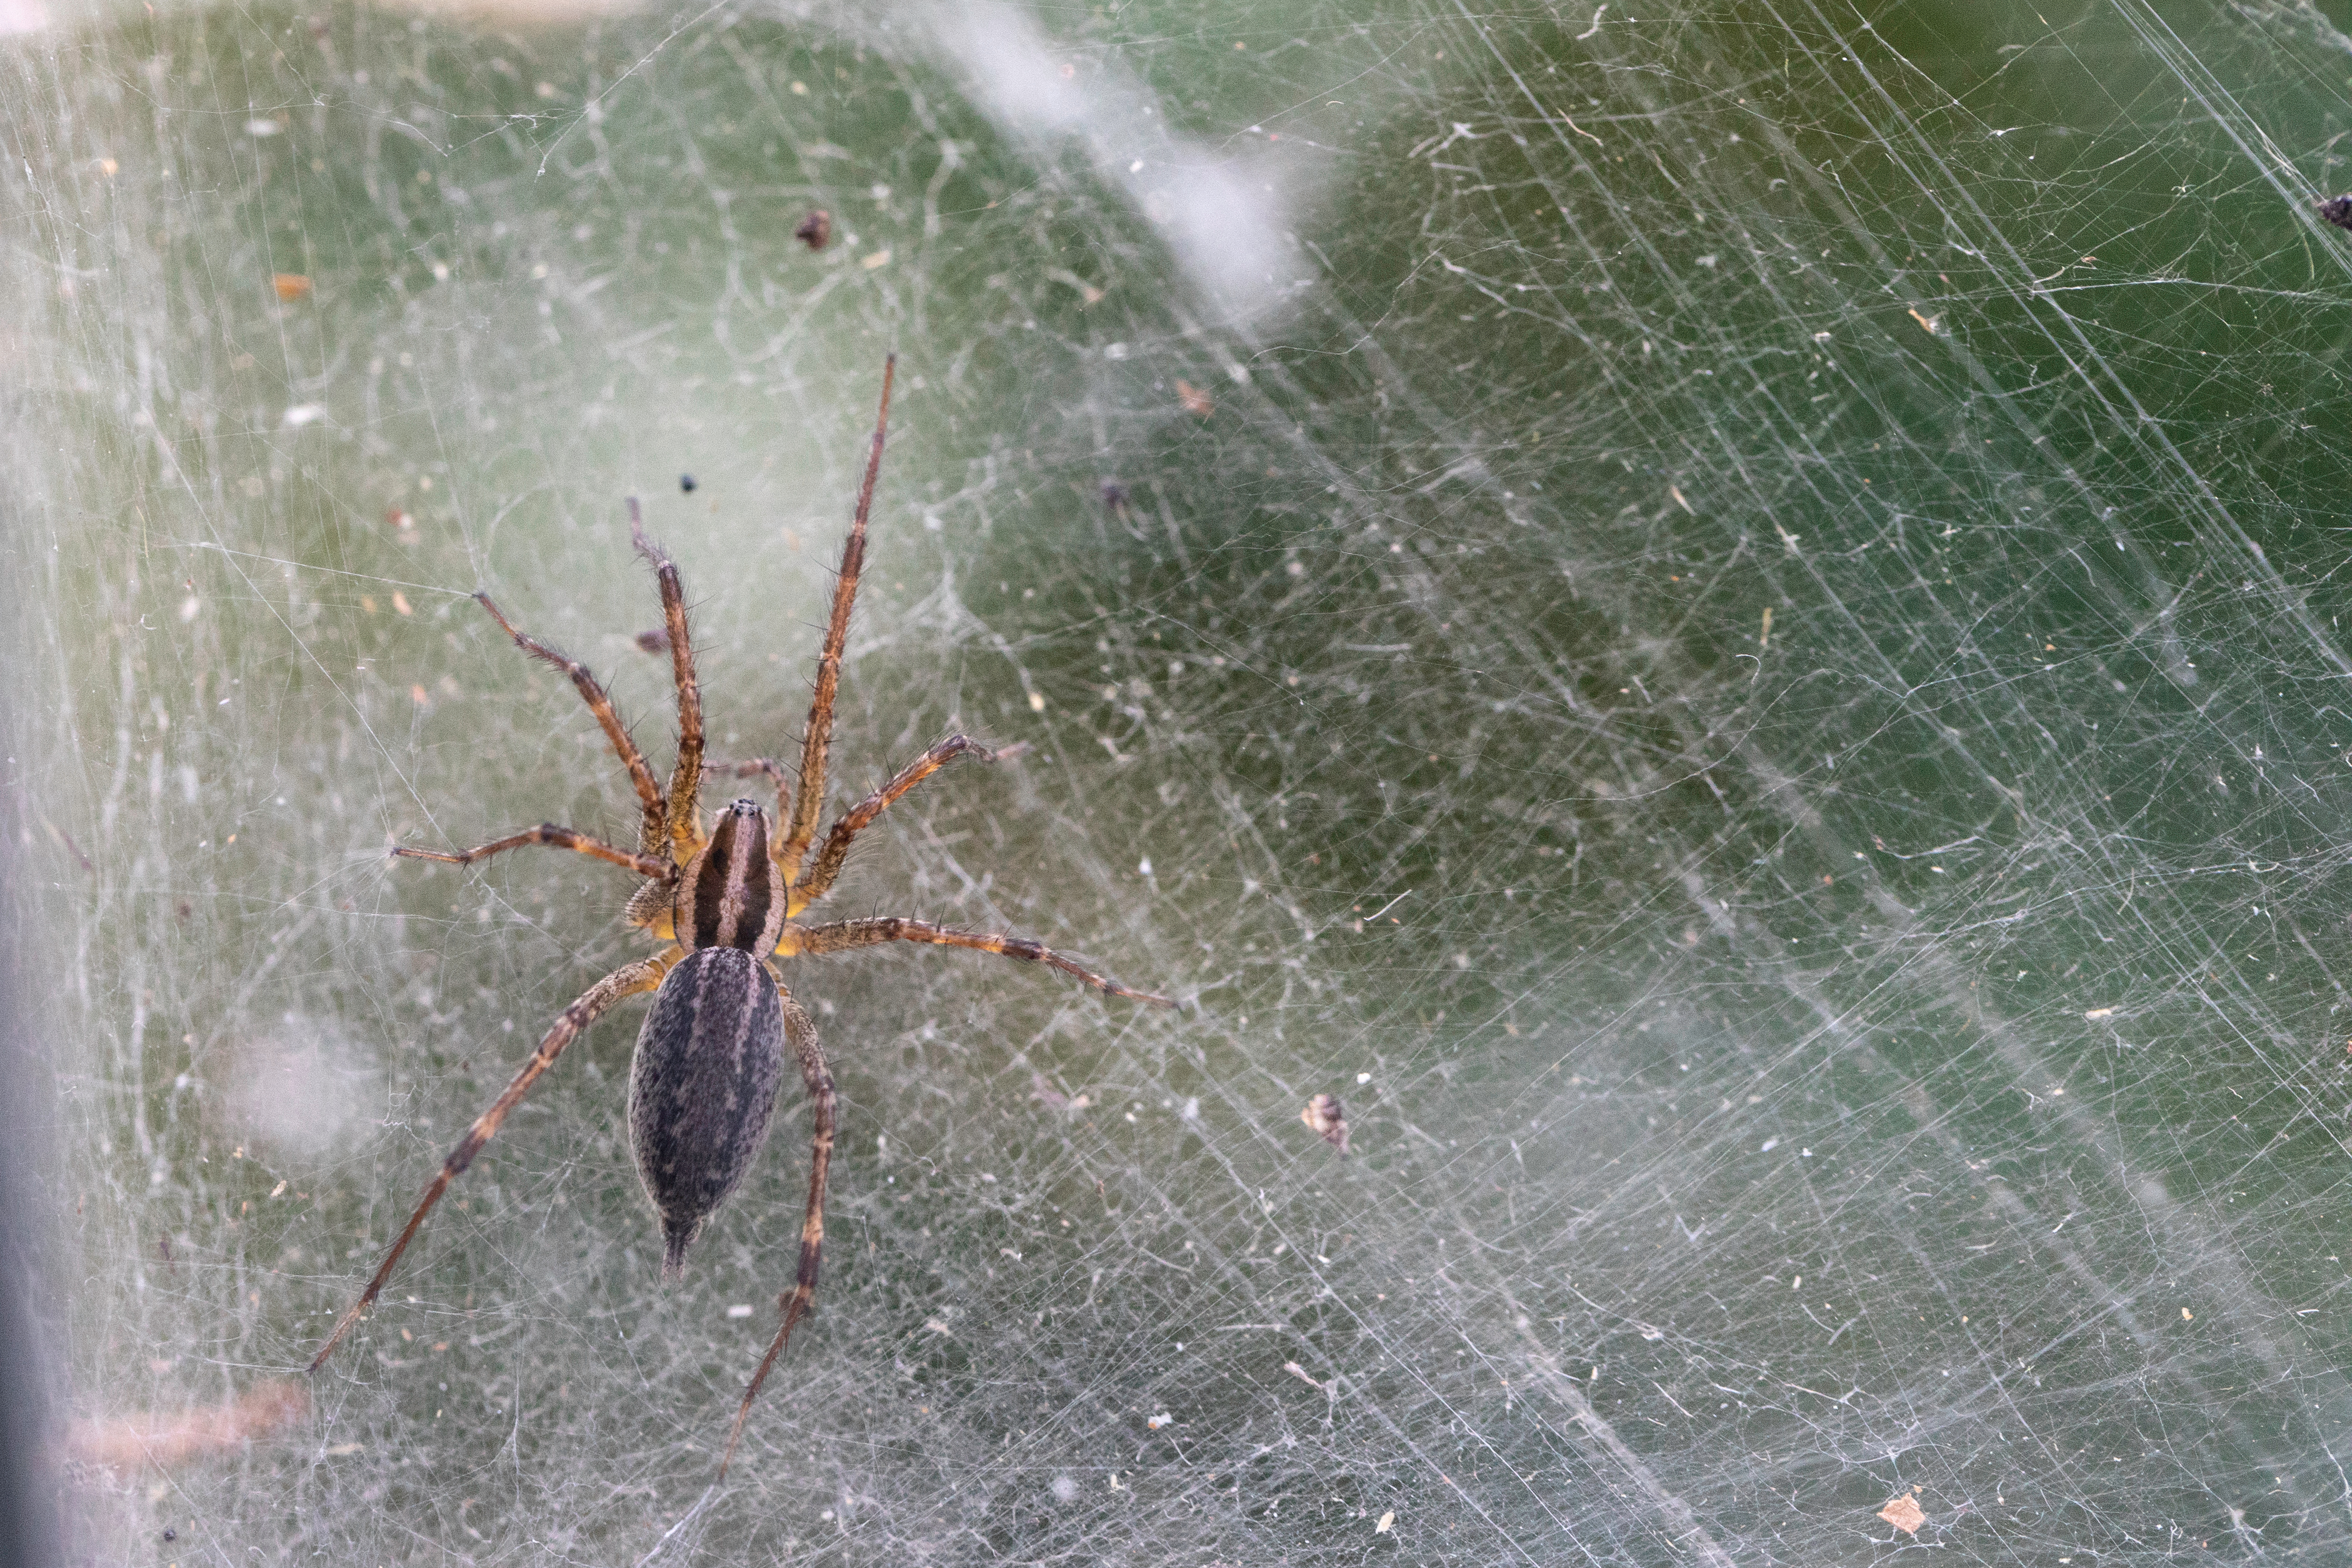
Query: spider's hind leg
{"points": [[626, 981], [818, 1078]]}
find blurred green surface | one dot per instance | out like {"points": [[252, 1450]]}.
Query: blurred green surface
{"points": [[1732, 634]]}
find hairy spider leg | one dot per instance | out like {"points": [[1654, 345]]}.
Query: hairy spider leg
{"points": [[560, 838], [686, 776], [651, 837], [808, 800], [626, 981], [858, 818], [841, 935], [767, 767], [818, 1078]]}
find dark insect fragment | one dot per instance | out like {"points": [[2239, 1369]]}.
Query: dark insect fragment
{"points": [[2338, 210], [686, 483], [1114, 495], [817, 229], [654, 641]]}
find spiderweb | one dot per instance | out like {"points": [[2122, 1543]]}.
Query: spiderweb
{"points": [[1724, 619]]}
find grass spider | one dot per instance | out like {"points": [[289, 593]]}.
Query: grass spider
{"points": [[723, 901]]}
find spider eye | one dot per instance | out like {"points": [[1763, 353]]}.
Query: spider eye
{"points": [[747, 807]]}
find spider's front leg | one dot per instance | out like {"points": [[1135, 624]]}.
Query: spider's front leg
{"points": [[641, 777], [684, 816], [766, 768], [808, 799]]}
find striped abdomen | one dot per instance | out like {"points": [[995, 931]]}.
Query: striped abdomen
{"points": [[703, 1087]]}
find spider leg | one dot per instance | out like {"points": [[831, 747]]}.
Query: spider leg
{"points": [[685, 778], [650, 836], [626, 981], [858, 818], [841, 935], [809, 801], [549, 834], [818, 1077], [757, 767]]}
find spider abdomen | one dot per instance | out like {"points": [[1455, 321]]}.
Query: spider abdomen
{"points": [[702, 1089]]}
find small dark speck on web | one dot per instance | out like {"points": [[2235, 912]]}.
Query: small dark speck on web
{"points": [[2338, 210], [686, 483], [654, 641], [1115, 496], [817, 229], [171, 1535]]}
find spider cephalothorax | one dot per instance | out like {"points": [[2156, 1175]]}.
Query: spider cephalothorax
{"points": [[710, 1057], [731, 894]]}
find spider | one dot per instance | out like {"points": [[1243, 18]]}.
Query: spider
{"points": [[710, 1057]]}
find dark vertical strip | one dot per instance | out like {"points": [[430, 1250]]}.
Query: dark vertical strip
{"points": [[710, 883], [28, 1522]]}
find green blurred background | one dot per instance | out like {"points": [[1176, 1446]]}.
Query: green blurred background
{"points": [[1724, 619]]}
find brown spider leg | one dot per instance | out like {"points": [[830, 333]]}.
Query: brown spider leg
{"points": [[686, 776], [759, 765], [650, 836], [818, 1077], [626, 981], [560, 838], [860, 817], [810, 799], [840, 935]]}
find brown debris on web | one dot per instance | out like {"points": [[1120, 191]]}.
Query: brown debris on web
{"points": [[1330, 1120], [1904, 1513], [174, 1438]]}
